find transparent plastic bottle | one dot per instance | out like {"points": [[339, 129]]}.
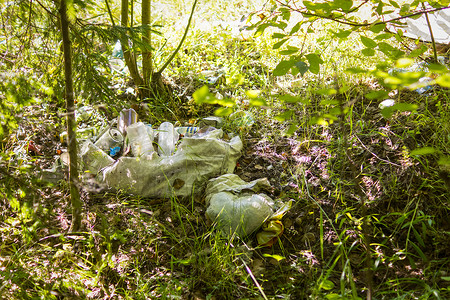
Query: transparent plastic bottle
{"points": [[125, 119], [140, 140], [167, 138]]}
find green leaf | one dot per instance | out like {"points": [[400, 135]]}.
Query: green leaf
{"points": [[283, 67], [369, 43], [390, 51], [202, 95], [368, 52], [314, 62], [227, 102], [302, 67], [280, 43], [223, 111], [333, 296], [342, 34], [326, 92], [292, 128], [289, 51], [326, 285], [418, 237], [446, 278], [252, 94], [437, 68], [377, 95], [292, 99], [383, 36], [284, 116], [419, 51], [356, 70], [345, 5], [387, 112], [394, 3], [309, 5], [281, 25], [444, 161], [286, 13], [419, 251], [379, 8], [404, 62], [423, 151], [444, 80], [377, 28], [261, 28], [296, 28], [274, 256], [258, 102], [278, 35], [319, 121], [405, 9]]}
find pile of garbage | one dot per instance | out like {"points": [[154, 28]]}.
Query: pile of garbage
{"points": [[132, 156], [167, 161]]}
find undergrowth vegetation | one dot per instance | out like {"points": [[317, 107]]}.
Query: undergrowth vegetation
{"points": [[370, 184]]}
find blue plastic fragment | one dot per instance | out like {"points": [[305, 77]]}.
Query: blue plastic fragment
{"points": [[114, 151]]}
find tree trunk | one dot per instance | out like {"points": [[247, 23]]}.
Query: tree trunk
{"points": [[71, 122], [127, 53], [147, 66]]}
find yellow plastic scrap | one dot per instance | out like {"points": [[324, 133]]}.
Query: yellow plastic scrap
{"points": [[273, 227]]}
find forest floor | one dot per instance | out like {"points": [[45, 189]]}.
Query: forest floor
{"points": [[367, 214], [165, 248]]}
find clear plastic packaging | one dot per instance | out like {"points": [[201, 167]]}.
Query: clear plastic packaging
{"points": [[140, 139], [167, 138], [111, 138], [125, 119]]}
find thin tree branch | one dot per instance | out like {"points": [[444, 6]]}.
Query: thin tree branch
{"points": [[110, 13], [169, 60], [431, 34], [345, 22]]}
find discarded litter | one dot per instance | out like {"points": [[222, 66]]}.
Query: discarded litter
{"points": [[242, 119], [237, 206], [184, 173], [213, 121], [140, 139], [93, 158], [89, 120], [83, 113], [187, 131], [111, 138], [149, 162], [212, 76], [82, 134], [424, 84], [114, 151], [419, 28], [117, 51], [125, 119], [386, 103], [273, 227], [167, 138]]}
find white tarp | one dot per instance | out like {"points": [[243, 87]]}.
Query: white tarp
{"points": [[418, 28]]}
